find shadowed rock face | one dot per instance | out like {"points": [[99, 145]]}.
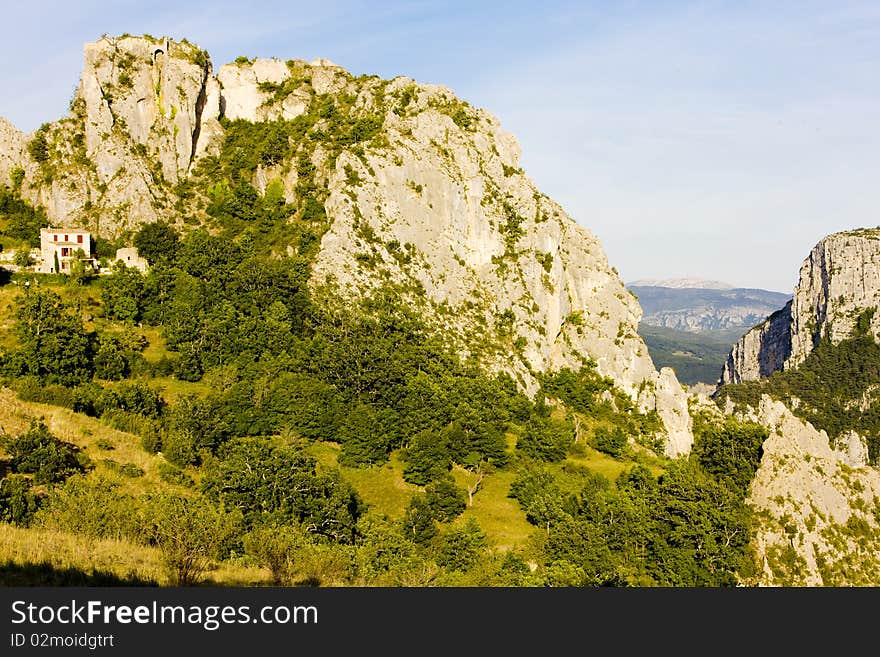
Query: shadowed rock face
{"points": [[761, 351], [838, 280], [481, 244]]}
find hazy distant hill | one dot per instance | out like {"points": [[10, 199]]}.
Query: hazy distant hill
{"points": [[690, 324], [682, 283], [706, 309]]}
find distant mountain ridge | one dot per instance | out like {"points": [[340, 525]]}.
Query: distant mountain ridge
{"points": [[700, 309], [682, 283]]}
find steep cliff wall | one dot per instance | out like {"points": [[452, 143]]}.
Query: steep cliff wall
{"points": [[761, 351], [838, 280]]}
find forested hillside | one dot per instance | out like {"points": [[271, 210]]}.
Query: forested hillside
{"points": [[218, 417]]}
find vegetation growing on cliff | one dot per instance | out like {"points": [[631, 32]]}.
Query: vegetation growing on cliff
{"points": [[834, 388]]}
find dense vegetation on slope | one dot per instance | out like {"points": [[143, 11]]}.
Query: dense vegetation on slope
{"points": [[285, 373], [835, 388]]}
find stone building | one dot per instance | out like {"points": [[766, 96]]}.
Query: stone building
{"points": [[60, 247], [129, 256]]}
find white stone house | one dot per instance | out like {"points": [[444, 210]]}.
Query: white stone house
{"points": [[129, 256], [59, 248]]}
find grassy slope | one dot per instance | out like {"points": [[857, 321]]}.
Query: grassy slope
{"points": [[382, 488], [64, 550]]}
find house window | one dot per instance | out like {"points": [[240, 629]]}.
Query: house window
{"points": [[55, 238], [63, 265], [65, 251], [79, 239], [66, 238]]}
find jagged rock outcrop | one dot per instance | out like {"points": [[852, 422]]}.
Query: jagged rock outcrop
{"points": [[433, 203], [817, 516], [838, 281], [761, 351], [136, 125], [12, 149]]}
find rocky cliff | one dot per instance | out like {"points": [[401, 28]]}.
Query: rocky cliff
{"points": [[761, 351], [838, 280], [817, 514], [420, 191]]}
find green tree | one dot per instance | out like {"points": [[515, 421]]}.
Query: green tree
{"points": [[23, 221], [445, 500], [363, 438], [546, 439], [196, 428], [611, 441], [426, 458], [157, 242], [22, 258], [18, 502], [41, 454], [38, 146], [270, 483], [730, 451], [462, 546], [53, 342], [122, 295], [109, 361], [418, 521]]}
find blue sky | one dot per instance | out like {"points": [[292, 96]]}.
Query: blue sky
{"points": [[715, 139]]}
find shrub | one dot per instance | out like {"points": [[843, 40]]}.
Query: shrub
{"points": [[172, 475], [41, 454], [38, 146], [445, 500], [461, 547], [546, 439], [611, 441], [18, 502]]}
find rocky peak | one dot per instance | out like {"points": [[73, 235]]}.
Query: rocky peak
{"points": [[138, 92], [837, 282]]}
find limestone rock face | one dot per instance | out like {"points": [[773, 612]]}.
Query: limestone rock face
{"points": [[447, 213], [267, 89], [838, 280], [817, 523], [761, 351], [12, 149], [135, 128]]}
